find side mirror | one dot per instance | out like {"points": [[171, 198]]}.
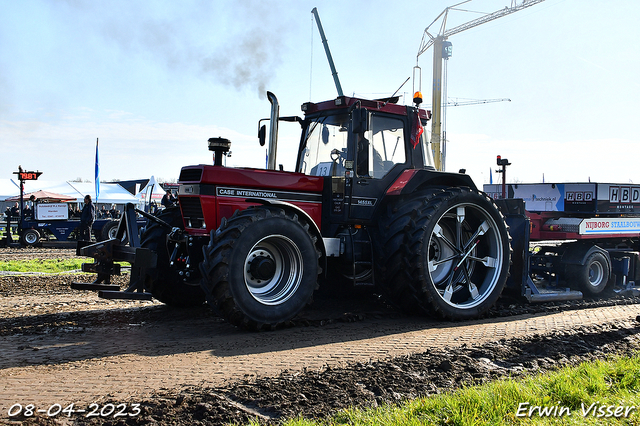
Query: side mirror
{"points": [[359, 120], [262, 135]]}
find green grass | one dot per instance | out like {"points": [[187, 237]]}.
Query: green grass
{"points": [[613, 382], [42, 265]]}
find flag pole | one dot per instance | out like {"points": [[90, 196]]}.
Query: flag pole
{"points": [[97, 178]]}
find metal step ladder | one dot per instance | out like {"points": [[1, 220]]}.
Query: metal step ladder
{"points": [[368, 280]]}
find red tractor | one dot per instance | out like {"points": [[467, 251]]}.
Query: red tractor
{"points": [[364, 204]]}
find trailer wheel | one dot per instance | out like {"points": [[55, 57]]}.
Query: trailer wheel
{"points": [[30, 237], [109, 230], [260, 267], [166, 284], [593, 276], [447, 253]]}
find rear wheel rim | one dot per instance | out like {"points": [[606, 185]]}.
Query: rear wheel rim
{"points": [[286, 268], [465, 256], [31, 237], [596, 274]]}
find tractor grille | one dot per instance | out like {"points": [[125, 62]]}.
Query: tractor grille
{"points": [[190, 175], [192, 212]]}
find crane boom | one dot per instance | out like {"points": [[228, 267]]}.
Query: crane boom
{"points": [[491, 17], [476, 101], [426, 44]]}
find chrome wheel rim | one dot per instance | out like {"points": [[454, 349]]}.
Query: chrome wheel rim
{"points": [[273, 270], [465, 256], [30, 237]]}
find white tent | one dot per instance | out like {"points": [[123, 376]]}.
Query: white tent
{"points": [[8, 188], [110, 193], [59, 187], [152, 187]]}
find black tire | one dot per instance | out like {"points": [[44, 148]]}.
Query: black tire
{"points": [[109, 230], [592, 277], [445, 253], [260, 267], [165, 283], [30, 237]]}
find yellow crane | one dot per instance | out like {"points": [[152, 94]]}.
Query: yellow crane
{"points": [[441, 52]]}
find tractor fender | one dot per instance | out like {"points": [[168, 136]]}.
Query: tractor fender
{"points": [[577, 254], [413, 180], [313, 227]]}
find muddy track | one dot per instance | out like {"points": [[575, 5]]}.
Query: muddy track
{"points": [[349, 349]]}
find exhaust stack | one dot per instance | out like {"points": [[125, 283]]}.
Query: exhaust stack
{"points": [[273, 131]]}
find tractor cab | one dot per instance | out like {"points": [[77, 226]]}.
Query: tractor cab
{"points": [[362, 146], [366, 138]]}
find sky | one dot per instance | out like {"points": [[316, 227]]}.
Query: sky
{"points": [[153, 80]]}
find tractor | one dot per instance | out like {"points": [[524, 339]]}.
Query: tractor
{"points": [[364, 207]]}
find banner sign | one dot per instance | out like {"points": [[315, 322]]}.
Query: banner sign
{"points": [[52, 211]]}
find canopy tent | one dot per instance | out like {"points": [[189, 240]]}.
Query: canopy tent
{"points": [[152, 187], [110, 193], [8, 188], [43, 196], [59, 187]]}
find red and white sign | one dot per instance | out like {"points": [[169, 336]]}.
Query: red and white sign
{"points": [[624, 225]]}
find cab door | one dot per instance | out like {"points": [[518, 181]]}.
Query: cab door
{"points": [[380, 157]]}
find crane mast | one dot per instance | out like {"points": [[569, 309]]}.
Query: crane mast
{"points": [[442, 51]]}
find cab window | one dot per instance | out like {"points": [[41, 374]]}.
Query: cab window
{"points": [[380, 148], [325, 149]]}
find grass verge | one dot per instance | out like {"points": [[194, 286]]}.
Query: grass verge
{"points": [[41, 265], [592, 393]]}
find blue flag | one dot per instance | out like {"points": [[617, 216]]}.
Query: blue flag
{"points": [[490, 176], [97, 173]]}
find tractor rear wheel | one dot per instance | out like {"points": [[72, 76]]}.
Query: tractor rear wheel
{"points": [[260, 267], [166, 284], [446, 253]]}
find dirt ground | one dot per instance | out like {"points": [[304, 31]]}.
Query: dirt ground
{"points": [[39, 307]]}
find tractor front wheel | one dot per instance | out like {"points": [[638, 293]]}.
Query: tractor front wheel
{"points": [[261, 267]]}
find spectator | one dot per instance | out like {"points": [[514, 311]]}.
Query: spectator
{"points": [[15, 210], [104, 213], [168, 200], [87, 218], [28, 214], [33, 200], [115, 213]]}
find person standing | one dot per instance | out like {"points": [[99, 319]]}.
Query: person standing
{"points": [[15, 210], [87, 218]]}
